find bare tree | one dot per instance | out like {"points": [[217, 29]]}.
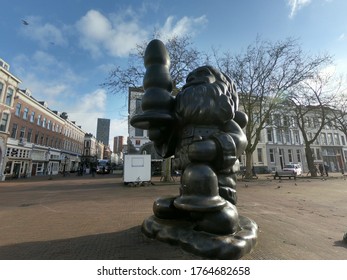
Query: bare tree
{"points": [[339, 112], [264, 73], [310, 105], [184, 57]]}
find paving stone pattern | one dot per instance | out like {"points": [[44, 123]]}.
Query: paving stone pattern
{"points": [[86, 218]]}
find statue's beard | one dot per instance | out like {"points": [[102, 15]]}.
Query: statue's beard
{"points": [[204, 104]]}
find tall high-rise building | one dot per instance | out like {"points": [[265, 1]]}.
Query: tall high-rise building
{"points": [[103, 131], [118, 144]]}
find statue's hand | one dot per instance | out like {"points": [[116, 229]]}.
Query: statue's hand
{"points": [[155, 134], [226, 150], [219, 150], [202, 151], [159, 135]]}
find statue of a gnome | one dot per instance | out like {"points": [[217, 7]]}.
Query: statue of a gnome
{"points": [[202, 128]]}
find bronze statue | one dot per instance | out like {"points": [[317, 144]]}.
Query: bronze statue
{"points": [[202, 128]]}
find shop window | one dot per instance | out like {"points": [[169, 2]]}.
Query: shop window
{"points": [[8, 167]]}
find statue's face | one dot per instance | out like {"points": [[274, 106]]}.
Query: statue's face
{"points": [[205, 98], [201, 75]]}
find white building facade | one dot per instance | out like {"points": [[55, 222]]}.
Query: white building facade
{"points": [[281, 142]]}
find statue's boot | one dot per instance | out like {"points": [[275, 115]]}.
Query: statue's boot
{"points": [[164, 208], [224, 221]]}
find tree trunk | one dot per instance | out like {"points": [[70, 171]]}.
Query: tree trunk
{"points": [[167, 170], [310, 161], [249, 163]]}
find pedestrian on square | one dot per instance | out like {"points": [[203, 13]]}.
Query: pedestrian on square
{"points": [[93, 170], [321, 169], [326, 167]]}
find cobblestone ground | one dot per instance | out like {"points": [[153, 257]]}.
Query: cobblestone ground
{"points": [[100, 218]]}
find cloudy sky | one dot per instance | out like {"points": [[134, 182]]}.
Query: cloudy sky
{"points": [[65, 49]]}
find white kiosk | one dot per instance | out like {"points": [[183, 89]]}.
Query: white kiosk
{"points": [[137, 169]]}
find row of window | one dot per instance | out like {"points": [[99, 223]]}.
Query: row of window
{"points": [[291, 155], [41, 139], [287, 121], [285, 157], [46, 123], [283, 136], [41, 121], [18, 153], [293, 137], [281, 153]]}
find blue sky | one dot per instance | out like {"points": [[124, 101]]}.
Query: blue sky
{"points": [[67, 49]]}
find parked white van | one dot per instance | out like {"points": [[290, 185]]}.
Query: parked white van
{"points": [[294, 167]]}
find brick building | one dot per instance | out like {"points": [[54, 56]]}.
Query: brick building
{"points": [[8, 88], [34, 140]]}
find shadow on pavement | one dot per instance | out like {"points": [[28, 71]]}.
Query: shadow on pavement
{"points": [[340, 243], [129, 244]]}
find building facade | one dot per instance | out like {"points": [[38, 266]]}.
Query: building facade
{"points": [[137, 137], [92, 152], [8, 88], [34, 140], [103, 131], [281, 142], [41, 141], [118, 144]]}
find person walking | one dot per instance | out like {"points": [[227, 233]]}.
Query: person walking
{"points": [[326, 167], [93, 169], [321, 169]]}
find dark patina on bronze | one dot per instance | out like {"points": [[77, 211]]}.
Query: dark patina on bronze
{"points": [[202, 128]]}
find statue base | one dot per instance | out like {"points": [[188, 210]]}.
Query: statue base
{"points": [[200, 243]]}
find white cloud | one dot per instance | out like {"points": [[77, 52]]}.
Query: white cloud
{"points": [[342, 37], [296, 5], [46, 77], [45, 34], [328, 71], [88, 109], [92, 106], [117, 35], [184, 26], [53, 92]]}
